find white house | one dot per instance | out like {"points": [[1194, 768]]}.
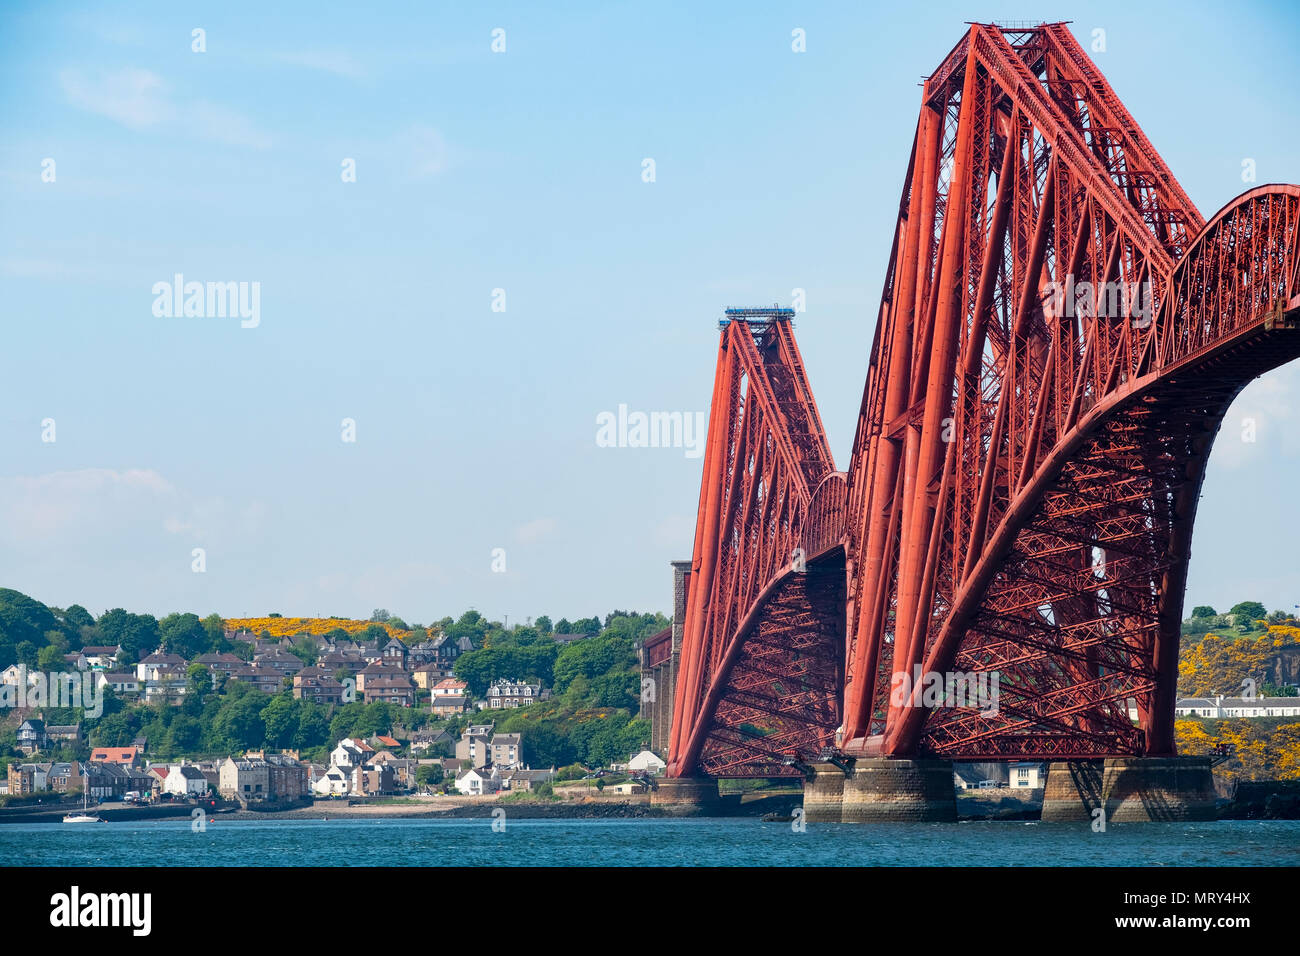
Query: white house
{"points": [[1025, 776], [185, 780], [332, 783], [123, 683], [99, 657], [627, 789], [1220, 706], [477, 782], [159, 660], [646, 762], [351, 752]]}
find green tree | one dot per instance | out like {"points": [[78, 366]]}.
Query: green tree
{"points": [[545, 744], [1246, 613], [1203, 610], [313, 726], [305, 649], [238, 724], [593, 658], [198, 685], [78, 616], [281, 719], [183, 736], [184, 634], [136, 633], [116, 730], [216, 630], [429, 775], [50, 658], [22, 620]]}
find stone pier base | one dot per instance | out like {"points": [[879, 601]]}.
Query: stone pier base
{"points": [[1130, 789], [882, 790], [823, 794], [686, 795]]}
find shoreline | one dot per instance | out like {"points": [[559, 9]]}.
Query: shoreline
{"points": [[1262, 801]]}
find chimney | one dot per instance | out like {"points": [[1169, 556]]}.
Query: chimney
{"points": [[681, 589]]}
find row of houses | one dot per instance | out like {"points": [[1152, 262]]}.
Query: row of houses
{"points": [[490, 762], [251, 778], [104, 781], [1019, 775], [87, 659], [493, 779], [345, 672], [34, 734], [435, 654], [504, 771], [1219, 707]]}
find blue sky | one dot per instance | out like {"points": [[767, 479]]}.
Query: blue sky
{"points": [[475, 171]]}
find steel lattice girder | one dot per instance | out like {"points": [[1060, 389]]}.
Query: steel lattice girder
{"points": [[1026, 465]]}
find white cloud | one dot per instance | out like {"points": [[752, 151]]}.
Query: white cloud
{"points": [[536, 529], [140, 100], [423, 150], [328, 61], [52, 270], [122, 509], [222, 125], [35, 509], [134, 97]]}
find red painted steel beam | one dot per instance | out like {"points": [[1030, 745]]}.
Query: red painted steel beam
{"points": [[1026, 465]]}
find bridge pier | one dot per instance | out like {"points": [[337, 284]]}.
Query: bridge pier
{"points": [[882, 790], [686, 796], [823, 794], [1130, 789]]}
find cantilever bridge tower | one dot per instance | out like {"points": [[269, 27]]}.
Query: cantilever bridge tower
{"points": [[1060, 334]]}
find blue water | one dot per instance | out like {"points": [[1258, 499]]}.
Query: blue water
{"points": [[646, 842]]}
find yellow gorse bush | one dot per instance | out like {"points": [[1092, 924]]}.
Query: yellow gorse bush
{"points": [[289, 626], [1217, 665]]}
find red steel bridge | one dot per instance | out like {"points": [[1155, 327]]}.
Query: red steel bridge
{"points": [[1029, 452]]}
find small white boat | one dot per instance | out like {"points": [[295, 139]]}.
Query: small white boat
{"points": [[84, 815], [83, 818]]}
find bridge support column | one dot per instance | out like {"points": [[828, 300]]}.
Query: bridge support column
{"points": [[883, 790], [687, 796], [892, 790], [823, 794], [1130, 789]]}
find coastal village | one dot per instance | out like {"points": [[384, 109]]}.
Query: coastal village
{"points": [[425, 762], [480, 762]]}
